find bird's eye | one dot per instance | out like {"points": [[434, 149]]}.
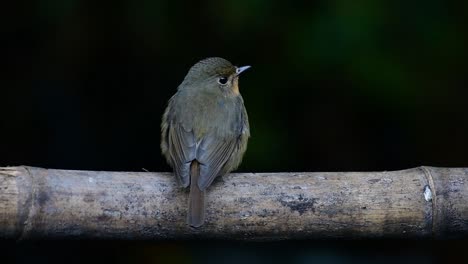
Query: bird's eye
{"points": [[222, 80]]}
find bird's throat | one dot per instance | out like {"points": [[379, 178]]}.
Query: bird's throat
{"points": [[235, 87]]}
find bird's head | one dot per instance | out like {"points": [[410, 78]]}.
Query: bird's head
{"points": [[214, 75]]}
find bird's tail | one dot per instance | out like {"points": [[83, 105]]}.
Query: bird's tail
{"points": [[196, 208]]}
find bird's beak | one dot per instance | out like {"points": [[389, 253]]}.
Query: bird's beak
{"points": [[239, 70]]}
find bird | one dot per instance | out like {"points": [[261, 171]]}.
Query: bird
{"points": [[205, 129]]}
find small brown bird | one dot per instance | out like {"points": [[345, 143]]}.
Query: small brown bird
{"points": [[205, 129]]}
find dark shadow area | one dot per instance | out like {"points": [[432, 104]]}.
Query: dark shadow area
{"points": [[238, 252]]}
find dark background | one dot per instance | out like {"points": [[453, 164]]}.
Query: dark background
{"points": [[335, 85]]}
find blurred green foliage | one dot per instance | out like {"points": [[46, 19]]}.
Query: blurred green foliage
{"points": [[335, 85]]}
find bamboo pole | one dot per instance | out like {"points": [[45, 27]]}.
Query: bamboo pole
{"points": [[424, 202]]}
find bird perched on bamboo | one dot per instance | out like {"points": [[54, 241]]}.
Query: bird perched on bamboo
{"points": [[205, 129]]}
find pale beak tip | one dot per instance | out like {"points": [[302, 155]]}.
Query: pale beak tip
{"points": [[239, 70]]}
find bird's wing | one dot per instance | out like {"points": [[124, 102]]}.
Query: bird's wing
{"points": [[182, 150], [219, 155], [213, 154]]}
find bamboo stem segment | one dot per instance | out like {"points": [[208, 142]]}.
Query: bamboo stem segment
{"points": [[423, 202]]}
